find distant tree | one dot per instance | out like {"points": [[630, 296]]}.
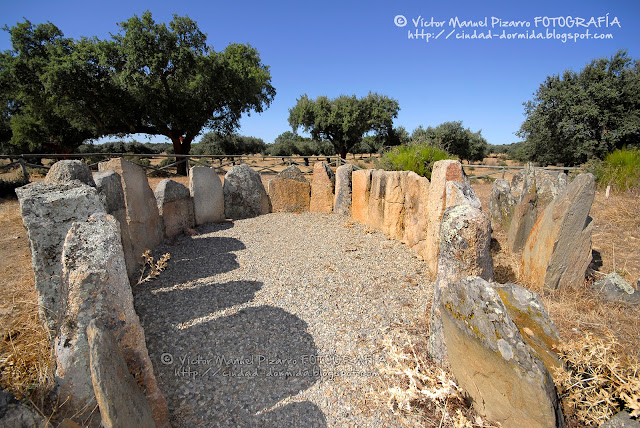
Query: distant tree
{"points": [[344, 120], [453, 138], [214, 143], [585, 114], [148, 78]]}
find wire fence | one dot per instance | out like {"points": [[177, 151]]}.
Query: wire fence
{"points": [[167, 164]]}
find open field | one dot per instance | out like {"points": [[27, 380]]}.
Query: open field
{"points": [[26, 359]]}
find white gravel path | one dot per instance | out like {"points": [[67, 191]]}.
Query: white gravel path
{"points": [[276, 321]]}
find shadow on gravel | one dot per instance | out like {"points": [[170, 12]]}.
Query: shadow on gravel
{"points": [[236, 368]]}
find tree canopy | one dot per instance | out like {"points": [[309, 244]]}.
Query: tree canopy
{"points": [[344, 120], [148, 78], [453, 138], [580, 115]]}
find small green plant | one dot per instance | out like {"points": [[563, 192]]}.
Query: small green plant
{"points": [[620, 170], [418, 158]]}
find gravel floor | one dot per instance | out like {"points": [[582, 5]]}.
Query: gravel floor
{"points": [[277, 321]]}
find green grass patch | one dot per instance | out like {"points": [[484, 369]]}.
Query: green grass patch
{"points": [[620, 170], [418, 158]]}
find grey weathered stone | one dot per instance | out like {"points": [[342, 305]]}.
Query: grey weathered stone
{"points": [[558, 249], [533, 189], [109, 185], [244, 193], [175, 207], [489, 358], [621, 420], [342, 198], [143, 218], [533, 321], [501, 204], [322, 187], [68, 170], [122, 404], [14, 414], [289, 191], [443, 171], [48, 210], [614, 288], [386, 202], [95, 286], [465, 236], [461, 193], [208, 198]]}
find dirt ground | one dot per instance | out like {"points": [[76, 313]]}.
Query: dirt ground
{"points": [[25, 357]]}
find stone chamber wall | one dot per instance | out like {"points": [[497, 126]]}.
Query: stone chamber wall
{"points": [[87, 232]]}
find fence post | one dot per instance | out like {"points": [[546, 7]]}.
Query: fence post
{"points": [[24, 169]]}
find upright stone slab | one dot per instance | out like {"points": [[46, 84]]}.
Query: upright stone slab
{"points": [[558, 250], [416, 202], [289, 191], [465, 237], [492, 362], [175, 207], [48, 210], [461, 193], [501, 204], [208, 198], [143, 218], [394, 209], [342, 199], [322, 185], [528, 313], [361, 191], [67, 170], [375, 212], [122, 404], [244, 193], [443, 171], [533, 189], [109, 185], [95, 285]]}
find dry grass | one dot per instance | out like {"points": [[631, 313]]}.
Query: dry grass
{"points": [[418, 391], [26, 357], [598, 381]]}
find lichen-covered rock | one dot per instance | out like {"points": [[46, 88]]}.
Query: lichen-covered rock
{"points": [[533, 321], [143, 218], [208, 197], [289, 191], [95, 286], [558, 249], [614, 288], [361, 188], [621, 420], [443, 171], [244, 193], [501, 204], [122, 404], [48, 210], [461, 193], [175, 207], [492, 362], [342, 198], [67, 170], [109, 185], [322, 187], [465, 236], [524, 217]]}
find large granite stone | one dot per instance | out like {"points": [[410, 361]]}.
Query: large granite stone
{"points": [[208, 197], [244, 193], [289, 191]]}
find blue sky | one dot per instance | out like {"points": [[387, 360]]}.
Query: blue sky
{"points": [[353, 47]]}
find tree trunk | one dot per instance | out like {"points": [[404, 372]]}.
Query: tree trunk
{"points": [[181, 146], [343, 152]]}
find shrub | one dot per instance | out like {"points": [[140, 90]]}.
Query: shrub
{"points": [[620, 170], [418, 158], [8, 187]]}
